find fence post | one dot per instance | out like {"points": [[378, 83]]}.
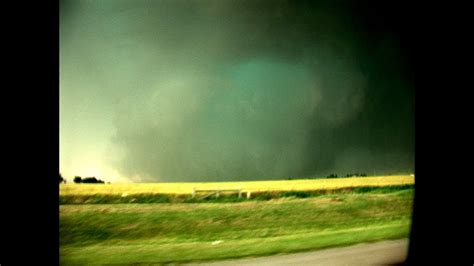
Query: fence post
{"points": [[194, 192], [248, 194]]}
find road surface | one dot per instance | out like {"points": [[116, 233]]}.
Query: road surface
{"points": [[380, 253]]}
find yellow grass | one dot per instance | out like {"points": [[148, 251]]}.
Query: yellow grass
{"points": [[253, 186]]}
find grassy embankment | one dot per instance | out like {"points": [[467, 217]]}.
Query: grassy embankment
{"points": [[181, 232]]}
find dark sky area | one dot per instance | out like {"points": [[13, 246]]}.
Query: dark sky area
{"points": [[227, 90]]}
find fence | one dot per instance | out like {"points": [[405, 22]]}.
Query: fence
{"points": [[218, 191]]}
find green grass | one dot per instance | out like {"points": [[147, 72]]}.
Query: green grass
{"points": [[183, 232]]}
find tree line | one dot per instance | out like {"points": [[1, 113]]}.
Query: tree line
{"points": [[92, 179], [78, 179], [348, 175]]}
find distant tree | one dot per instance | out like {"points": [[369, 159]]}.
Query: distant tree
{"points": [[89, 180], [332, 176], [92, 180], [61, 179]]}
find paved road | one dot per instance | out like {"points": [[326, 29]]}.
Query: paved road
{"points": [[380, 253]]}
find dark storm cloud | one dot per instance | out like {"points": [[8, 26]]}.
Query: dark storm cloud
{"points": [[238, 90]]}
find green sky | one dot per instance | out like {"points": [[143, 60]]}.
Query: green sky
{"points": [[229, 90]]}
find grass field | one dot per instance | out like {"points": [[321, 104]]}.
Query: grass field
{"points": [[181, 232], [253, 186]]}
